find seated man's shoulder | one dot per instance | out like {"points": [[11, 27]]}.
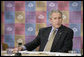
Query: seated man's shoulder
{"points": [[45, 28], [67, 28]]}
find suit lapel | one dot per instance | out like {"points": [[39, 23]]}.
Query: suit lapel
{"points": [[59, 32], [47, 33]]}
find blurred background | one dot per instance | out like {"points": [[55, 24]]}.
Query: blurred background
{"points": [[21, 20]]}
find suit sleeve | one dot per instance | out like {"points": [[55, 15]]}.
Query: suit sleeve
{"points": [[35, 43], [68, 42]]}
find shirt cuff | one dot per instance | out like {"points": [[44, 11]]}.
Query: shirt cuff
{"points": [[24, 48]]}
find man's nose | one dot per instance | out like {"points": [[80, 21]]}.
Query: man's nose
{"points": [[57, 20]]}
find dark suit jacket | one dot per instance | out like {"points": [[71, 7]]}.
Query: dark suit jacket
{"points": [[62, 42]]}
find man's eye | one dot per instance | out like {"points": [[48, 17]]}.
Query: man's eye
{"points": [[59, 18], [54, 18]]}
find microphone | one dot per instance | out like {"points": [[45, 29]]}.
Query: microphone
{"points": [[19, 41]]}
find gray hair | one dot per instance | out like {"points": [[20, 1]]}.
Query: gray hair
{"points": [[55, 11]]}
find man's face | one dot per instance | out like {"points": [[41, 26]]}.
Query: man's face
{"points": [[56, 20]]}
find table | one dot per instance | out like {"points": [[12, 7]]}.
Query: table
{"points": [[37, 53]]}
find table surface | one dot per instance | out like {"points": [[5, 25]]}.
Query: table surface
{"points": [[37, 53]]}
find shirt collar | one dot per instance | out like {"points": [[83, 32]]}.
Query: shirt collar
{"points": [[53, 28]]}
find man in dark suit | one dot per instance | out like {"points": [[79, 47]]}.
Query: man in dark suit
{"points": [[61, 40]]}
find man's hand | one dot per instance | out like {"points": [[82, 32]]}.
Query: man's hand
{"points": [[15, 50]]}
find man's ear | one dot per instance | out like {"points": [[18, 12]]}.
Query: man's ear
{"points": [[62, 19], [50, 20]]}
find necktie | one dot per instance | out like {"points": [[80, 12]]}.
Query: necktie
{"points": [[50, 41]]}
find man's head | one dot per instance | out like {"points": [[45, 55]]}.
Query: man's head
{"points": [[55, 18]]}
